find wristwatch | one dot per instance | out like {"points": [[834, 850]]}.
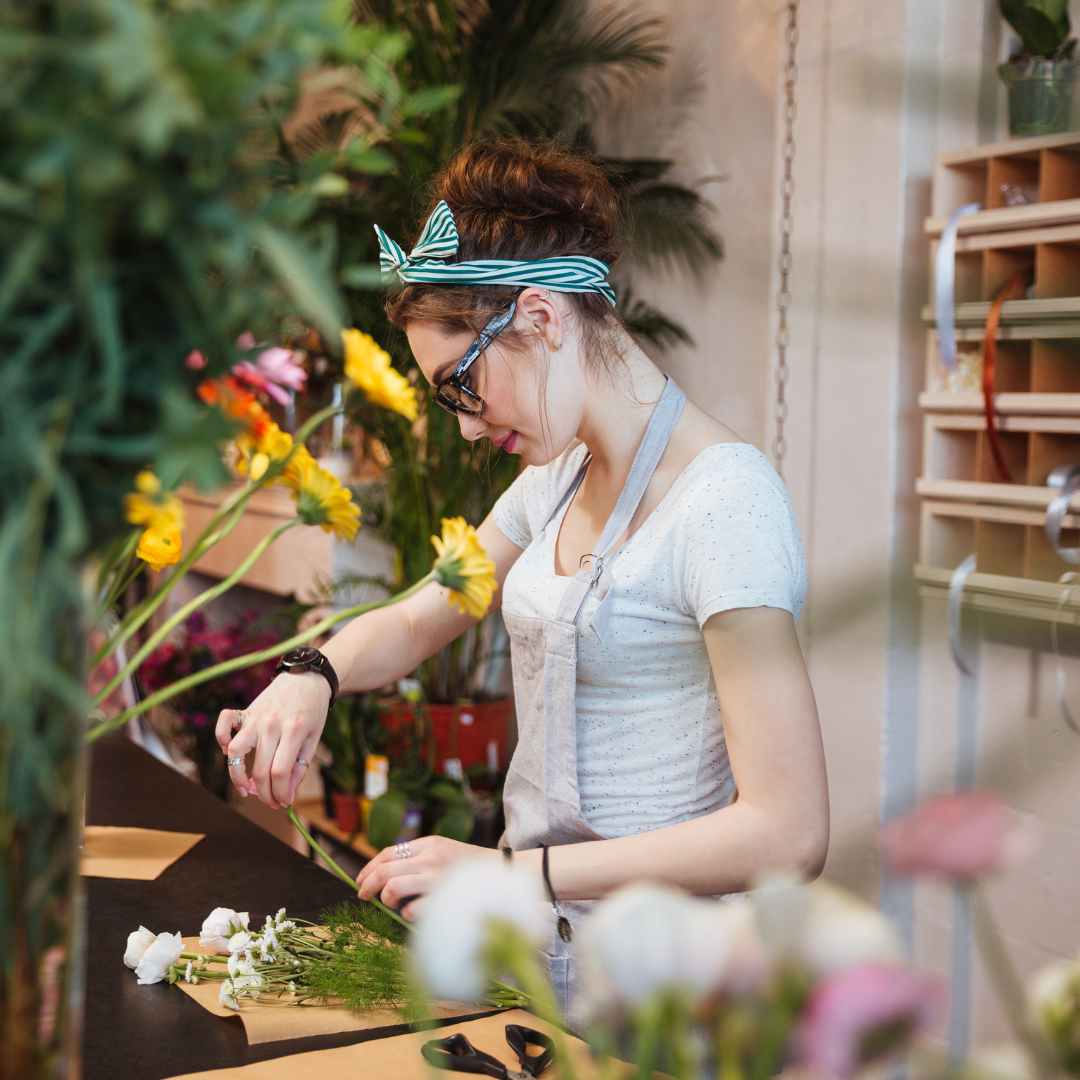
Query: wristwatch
{"points": [[305, 658]]}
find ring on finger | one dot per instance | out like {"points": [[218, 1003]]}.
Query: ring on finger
{"points": [[234, 762], [302, 762], [402, 850]]}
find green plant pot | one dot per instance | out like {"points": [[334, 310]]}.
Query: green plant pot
{"points": [[1040, 95]]}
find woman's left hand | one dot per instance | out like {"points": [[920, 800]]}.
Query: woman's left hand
{"points": [[393, 879]]}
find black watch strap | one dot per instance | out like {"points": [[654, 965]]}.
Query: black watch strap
{"points": [[306, 658]]}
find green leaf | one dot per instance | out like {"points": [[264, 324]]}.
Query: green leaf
{"points": [[456, 823], [363, 277], [372, 160], [306, 280], [430, 99], [385, 819], [1043, 25]]}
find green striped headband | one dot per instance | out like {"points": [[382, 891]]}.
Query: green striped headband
{"points": [[427, 263]]}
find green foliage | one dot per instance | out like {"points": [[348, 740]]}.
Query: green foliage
{"points": [[143, 213], [1042, 26]]}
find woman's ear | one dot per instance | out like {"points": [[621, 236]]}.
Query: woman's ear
{"points": [[537, 312]]}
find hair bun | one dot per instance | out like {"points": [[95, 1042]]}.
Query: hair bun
{"points": [[514, 199]]}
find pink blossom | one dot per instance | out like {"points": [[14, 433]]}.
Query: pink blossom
{"points": [[246, 340], [959, 837], [275, 372], [863, 1014], [195, 360]]}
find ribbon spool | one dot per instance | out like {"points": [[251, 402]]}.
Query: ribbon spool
{"points": [[945, 285], [957, 583]]}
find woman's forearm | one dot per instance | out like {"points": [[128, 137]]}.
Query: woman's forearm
{"points": [[722, 852]]}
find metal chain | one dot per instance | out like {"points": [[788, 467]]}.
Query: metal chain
{"points": [[787, 191]]}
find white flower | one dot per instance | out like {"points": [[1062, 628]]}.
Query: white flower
{"points": [[226, 995], [455, 922], [646, 939], [137, 943], [187, 972], [823, 928], [238, 965], [1054, 1004], [163, 952], [239, 942], [219, 926]]}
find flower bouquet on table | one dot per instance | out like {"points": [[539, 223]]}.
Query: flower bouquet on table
{"points": [[196, 647]]}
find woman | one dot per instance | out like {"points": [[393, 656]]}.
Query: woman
{"points": [[649, 567]]}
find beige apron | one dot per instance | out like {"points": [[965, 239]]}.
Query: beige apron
{"points": [[541, 796]]}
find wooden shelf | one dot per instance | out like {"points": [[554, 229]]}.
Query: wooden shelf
{"points": [[1014, 596], [1008, 218], [1020, 495], [1063, 309], [1024, 404]]}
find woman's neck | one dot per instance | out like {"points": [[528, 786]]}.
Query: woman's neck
{"points": [[617, 411]]}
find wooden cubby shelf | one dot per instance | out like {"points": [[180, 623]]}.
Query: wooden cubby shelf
{"points": [[1029, 191]]}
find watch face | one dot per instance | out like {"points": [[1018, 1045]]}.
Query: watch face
{"points": [[305, 656]]}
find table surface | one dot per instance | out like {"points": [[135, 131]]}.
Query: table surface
{"points": [[150, 1032]]}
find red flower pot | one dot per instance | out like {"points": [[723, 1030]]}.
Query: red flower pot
{"points": [[346, 811], [459, 731]]}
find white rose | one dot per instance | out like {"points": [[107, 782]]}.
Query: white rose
{"points": [[455, 923], [219, 926], [137, 943], [163, 952]]}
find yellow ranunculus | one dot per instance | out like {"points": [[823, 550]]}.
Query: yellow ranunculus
{"points": [[160, 546], [321, 499], [148, 505], [368, 367], [464, 567]]}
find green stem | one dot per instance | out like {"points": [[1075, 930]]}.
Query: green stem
{"points": [[220, 525], [193, 605], [335, 869], [247, 660], [650, 1018]]}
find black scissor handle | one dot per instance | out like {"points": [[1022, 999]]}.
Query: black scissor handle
{"points": [[521, 1038], [457, 1054]]}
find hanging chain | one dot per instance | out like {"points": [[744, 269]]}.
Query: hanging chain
{"points": [[787, 191]]}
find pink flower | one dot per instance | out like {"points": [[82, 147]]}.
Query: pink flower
{"points": [[864, 1014], [275, 372], [246, 340], [959, 837], [195, 360]]}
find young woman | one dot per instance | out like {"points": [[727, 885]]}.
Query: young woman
{"points": [[649, 566]]}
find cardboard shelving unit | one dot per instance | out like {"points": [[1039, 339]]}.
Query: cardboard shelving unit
{"points": [[968, 506]]}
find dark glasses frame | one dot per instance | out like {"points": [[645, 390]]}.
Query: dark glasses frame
{"points": [[453, 393]]}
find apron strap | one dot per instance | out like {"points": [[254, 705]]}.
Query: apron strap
{"points": [[654, 442]]}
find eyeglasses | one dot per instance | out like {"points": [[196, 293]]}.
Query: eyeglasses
{"points": [[454, 393]]}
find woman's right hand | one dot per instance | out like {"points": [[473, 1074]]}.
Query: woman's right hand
{"points": [[282, 725]]}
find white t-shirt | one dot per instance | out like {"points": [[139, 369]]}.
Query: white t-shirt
{"points": [[651, 748]]}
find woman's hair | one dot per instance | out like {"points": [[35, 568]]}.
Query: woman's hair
{"points": [[513, 199]]}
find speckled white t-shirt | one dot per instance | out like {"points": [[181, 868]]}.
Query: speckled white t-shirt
{"points": [[651, 748]]}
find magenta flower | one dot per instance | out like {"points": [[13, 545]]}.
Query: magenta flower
{"points": [[864, 1014], [276, 370], [195, 360], [958, 837]]}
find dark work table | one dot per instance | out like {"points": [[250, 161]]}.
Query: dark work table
{"points": [[150, 1032]]}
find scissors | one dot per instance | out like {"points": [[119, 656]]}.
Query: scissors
{"points": [[457, 1054]]}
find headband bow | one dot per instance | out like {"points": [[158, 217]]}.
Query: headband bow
{"points": [[427, 263]]}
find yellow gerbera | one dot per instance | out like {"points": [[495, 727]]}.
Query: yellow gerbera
{"points": [[160, 546], [148, 505], [368, 367], [321, 499], [255, 453], [464, 567]]}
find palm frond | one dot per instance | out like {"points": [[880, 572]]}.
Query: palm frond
{"points": [[649, 324], [668, 226]]}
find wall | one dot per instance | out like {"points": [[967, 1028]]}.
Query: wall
{"points": [[882, 89]]}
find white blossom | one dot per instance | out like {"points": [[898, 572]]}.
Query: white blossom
{"points": [[137, 943], [187, 972], [155, 963], [455, 923], [219, 926], [238, 965], [226, 995], [239, 942], [647, 939]]}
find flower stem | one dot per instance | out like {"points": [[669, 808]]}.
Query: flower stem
{"points": [[191, 606], [335, 869], [238, 662]]}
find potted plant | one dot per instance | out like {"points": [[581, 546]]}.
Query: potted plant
{"points": [[1040, 75]]}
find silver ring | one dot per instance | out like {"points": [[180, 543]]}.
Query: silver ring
{"points": [[234, 762], [402, 850], [302, 761]]}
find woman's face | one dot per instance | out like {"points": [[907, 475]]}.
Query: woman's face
{"points": [[532, 396]]}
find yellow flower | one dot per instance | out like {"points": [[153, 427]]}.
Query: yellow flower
{"points": [[464, 567], [321, 499], [255, 453], [368, 367], [148, 505], [160, 546]]}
